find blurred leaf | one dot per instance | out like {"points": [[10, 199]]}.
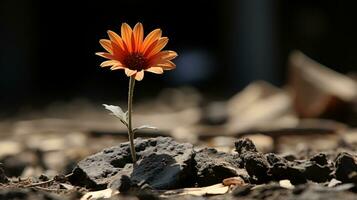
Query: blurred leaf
{"points": [[118, 112], [143, 127]]}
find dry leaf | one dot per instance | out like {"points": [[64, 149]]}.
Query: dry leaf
{"points": [[107, 193], [209, 190], [235, 181]]}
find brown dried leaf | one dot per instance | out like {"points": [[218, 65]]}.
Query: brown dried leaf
{"points": [[233, 181], [209, 190]]}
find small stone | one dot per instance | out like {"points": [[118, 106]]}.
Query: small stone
{"points": [[3, 178], [43, 177], [60, 178], [273, 159], [320, 159], [282, 170], [245, 145], [286, 184], [346, 167], [316, 172]]}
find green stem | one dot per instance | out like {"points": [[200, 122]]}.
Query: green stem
{"points": [[130, 127]]}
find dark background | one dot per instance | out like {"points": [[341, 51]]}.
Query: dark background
{"points": [[47, 47]]}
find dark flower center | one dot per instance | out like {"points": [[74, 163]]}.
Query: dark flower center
{"points": [[136, 61]]}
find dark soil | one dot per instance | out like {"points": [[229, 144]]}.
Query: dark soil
{"points": [[165, 164]]}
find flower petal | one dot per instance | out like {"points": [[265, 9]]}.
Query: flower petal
{"points": [[138, 32], [163, 55], [110, 63], [129, 72], [117, 67], [139, 75], [150, 38], [161, 43], [167, 65], [167, 54], [106, 44], [118, 52], [106, 55], [155, 70], [126, 33], [115, 38]]}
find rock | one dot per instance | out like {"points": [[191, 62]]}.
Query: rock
{"points": [[254, 162], [162, 164], [273, 167], [163, 171], [213, 167], [346, 168], [257, 167], [286, 184], [317, 172], [273, 159], [3, 178], [282, 169], [316, 169], [320, 159]]}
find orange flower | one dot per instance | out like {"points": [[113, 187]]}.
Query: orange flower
{"points": [[135, 54]]}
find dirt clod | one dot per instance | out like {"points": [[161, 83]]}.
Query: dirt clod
{"points": [[346, 168], [213, 166], [254, 162]]}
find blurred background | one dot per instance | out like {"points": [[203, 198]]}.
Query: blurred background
{"points": [[47, 47]]}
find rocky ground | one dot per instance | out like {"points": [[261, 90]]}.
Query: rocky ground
{"points": [[265, 142], [167, 169]]}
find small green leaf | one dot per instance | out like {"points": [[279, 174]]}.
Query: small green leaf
{"points": [[118, 112], [143, 127]]}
